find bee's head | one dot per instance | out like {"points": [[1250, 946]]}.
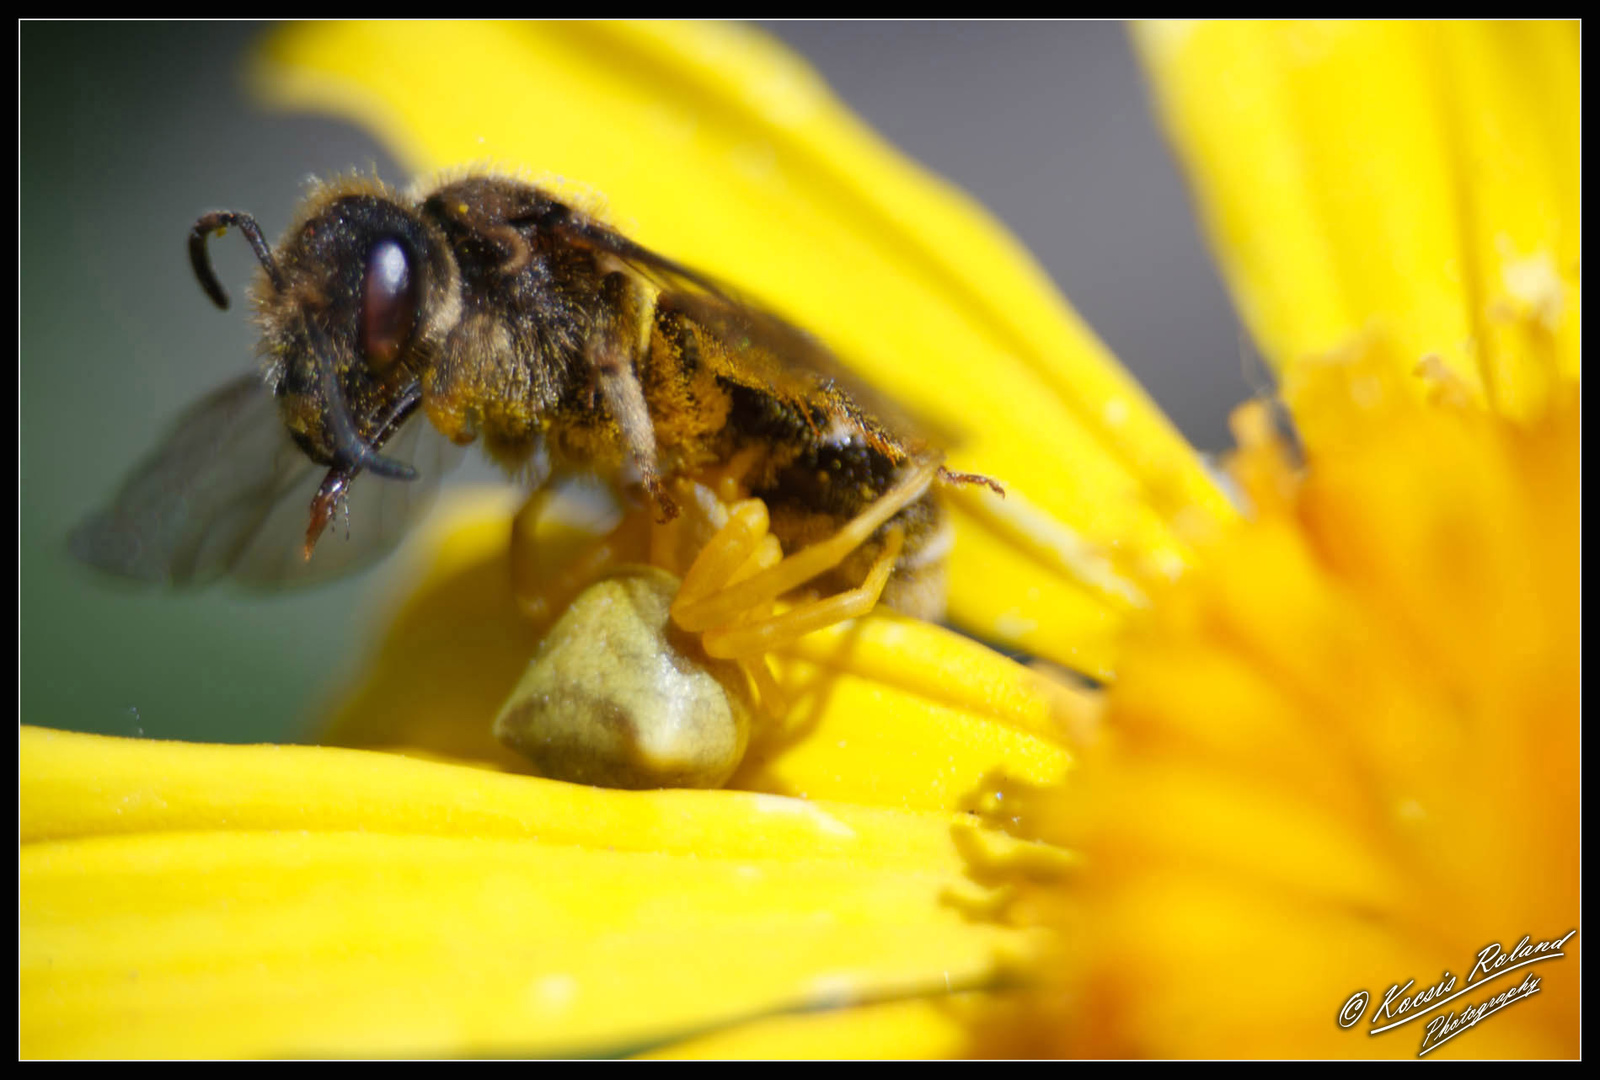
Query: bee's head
{"points": [[352, 306]]}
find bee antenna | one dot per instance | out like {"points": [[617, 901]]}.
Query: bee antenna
{"points": [[216, 223]]}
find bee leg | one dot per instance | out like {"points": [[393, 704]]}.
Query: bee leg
{"points": [[706, 603], [612, 348], [749, 640]]}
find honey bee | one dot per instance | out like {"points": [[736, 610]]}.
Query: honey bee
{"points": [[505, 316]]}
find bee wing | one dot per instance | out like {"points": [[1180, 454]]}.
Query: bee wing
{"points": [[377, 514], [227, 494], [785, 360]]}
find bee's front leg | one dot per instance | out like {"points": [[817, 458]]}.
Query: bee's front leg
{"points": [[613, 347]]}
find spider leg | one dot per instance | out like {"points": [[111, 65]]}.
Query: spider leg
{"points": [[729, 549], [718, 601], [548, 571], [752, 639]]}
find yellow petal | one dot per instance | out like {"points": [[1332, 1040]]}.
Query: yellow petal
{"points": [[187, 900], [1414, 180], [713, 145], [924, 1028]]}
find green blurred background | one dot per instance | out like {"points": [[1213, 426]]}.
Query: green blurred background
{"points": [[130, 130]]}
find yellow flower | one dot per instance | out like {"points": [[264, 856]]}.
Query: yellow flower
{"points": [[1268, 766], [218, 901], [1342, 753]]}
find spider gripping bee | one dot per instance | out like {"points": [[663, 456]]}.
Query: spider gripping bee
{"points": [[506, 316]]}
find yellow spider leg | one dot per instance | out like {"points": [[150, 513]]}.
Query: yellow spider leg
{"points": [[726, 552], [771, 697], [543, 582], [698, 612], [777, 631]]}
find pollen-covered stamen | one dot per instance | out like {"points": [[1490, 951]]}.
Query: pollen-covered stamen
{"points": [[1358, 704]]}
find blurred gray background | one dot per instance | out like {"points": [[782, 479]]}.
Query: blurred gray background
{"points": [[130, 130]]}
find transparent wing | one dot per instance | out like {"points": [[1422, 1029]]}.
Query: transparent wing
{"points": [[227, 494]]}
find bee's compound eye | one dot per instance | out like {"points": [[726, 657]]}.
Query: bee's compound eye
{"points": [[388, 303]]}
